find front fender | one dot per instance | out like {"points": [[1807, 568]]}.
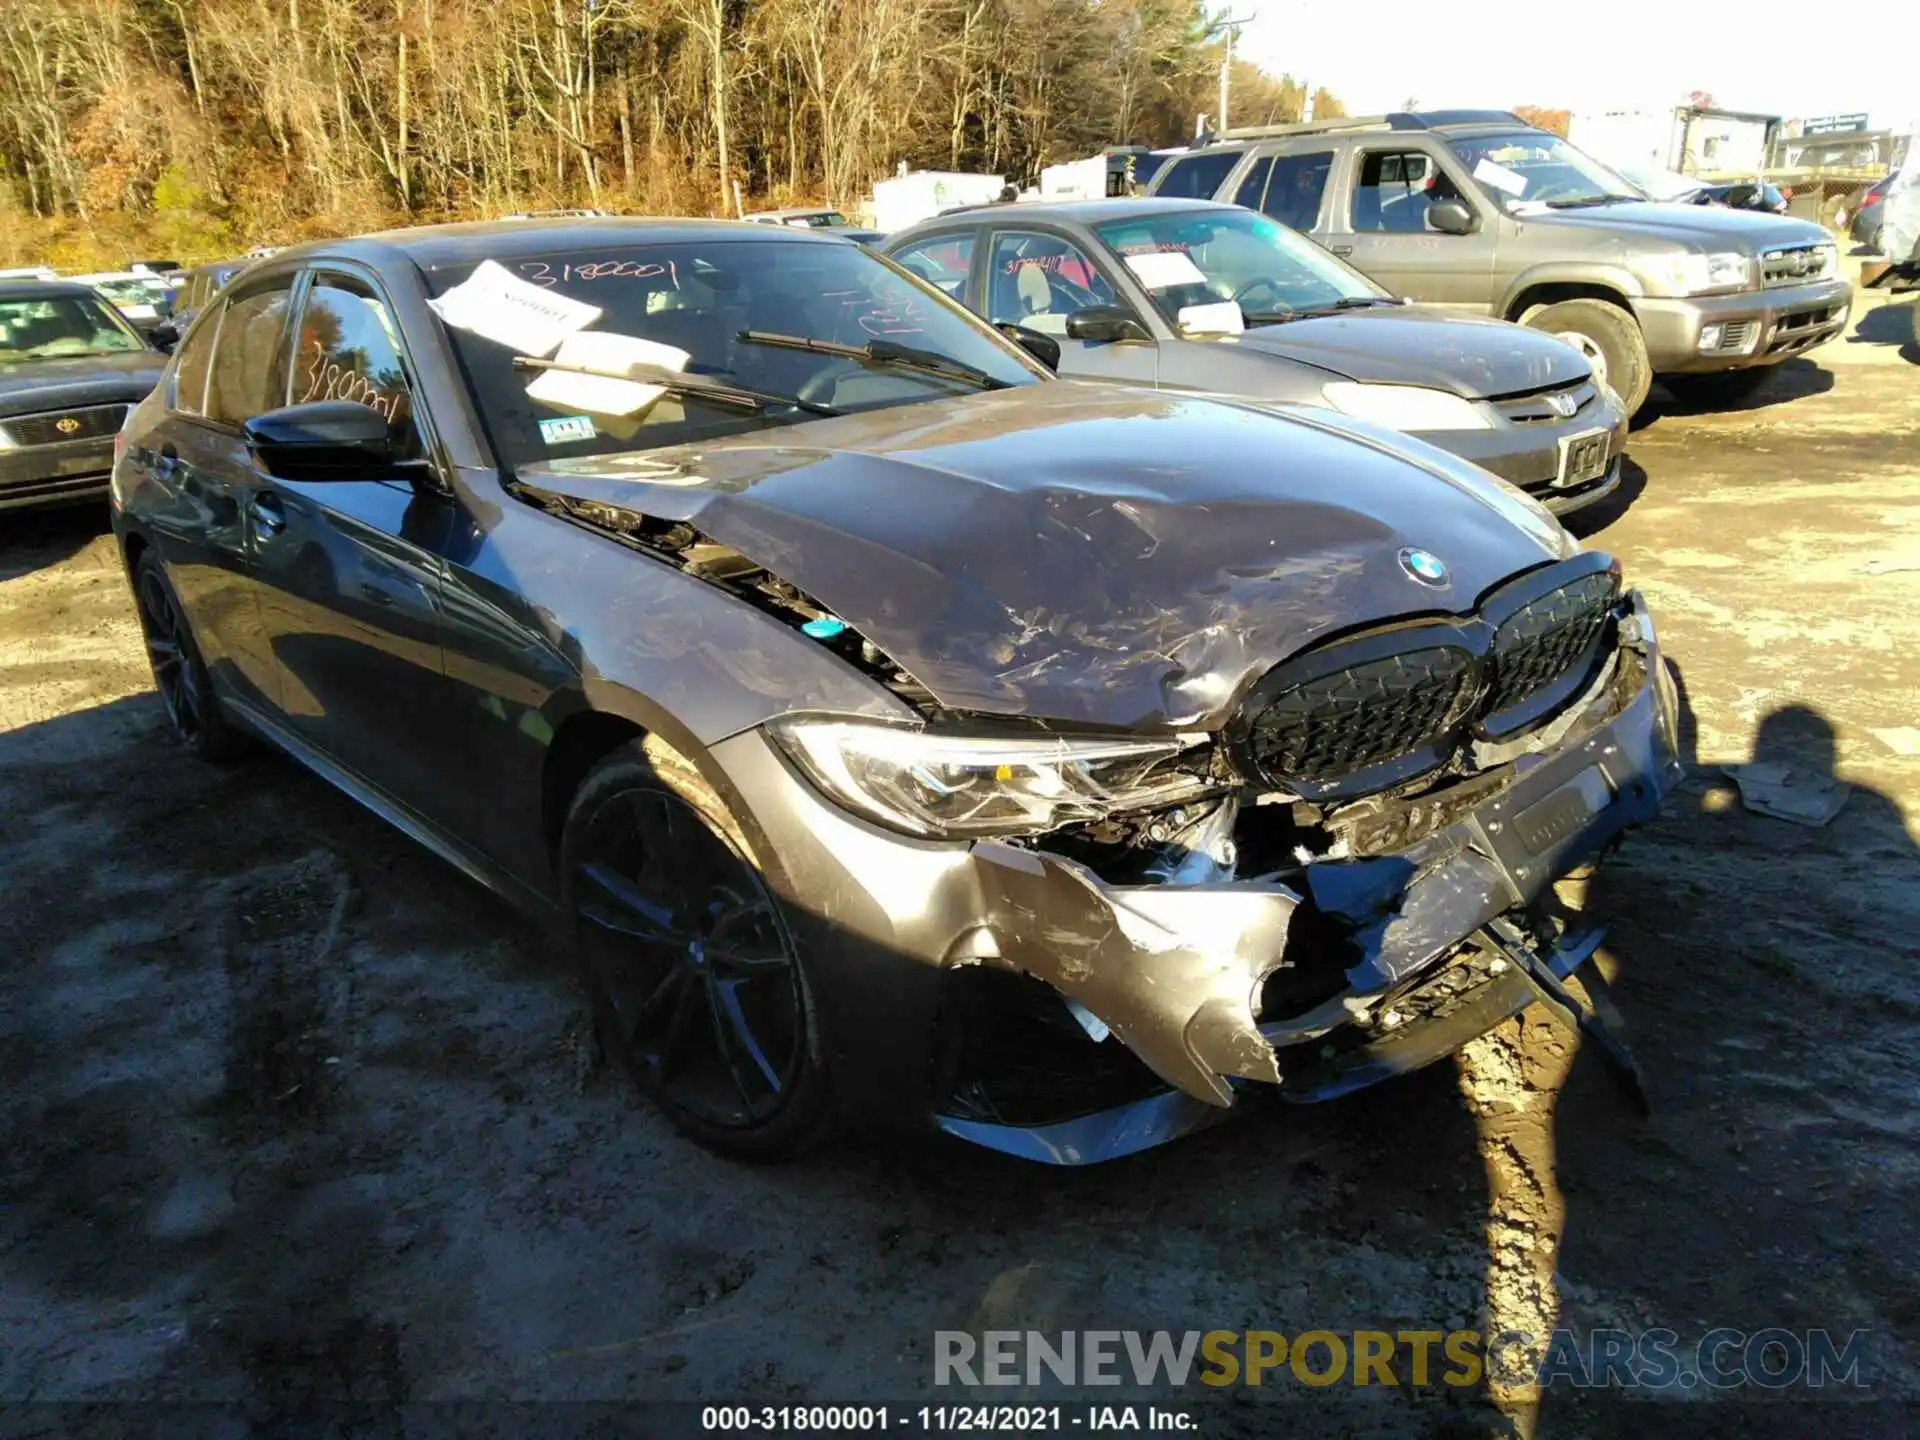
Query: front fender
{"points": [[1616, 278]]}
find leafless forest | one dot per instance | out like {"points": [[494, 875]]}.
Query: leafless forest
{"points": [[197, 126]]}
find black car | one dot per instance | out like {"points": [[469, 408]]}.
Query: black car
{"points": [[70, 369], [897, 730], [1760, 195]]}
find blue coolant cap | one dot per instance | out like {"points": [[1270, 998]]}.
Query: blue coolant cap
{"points": [[825, 628]]}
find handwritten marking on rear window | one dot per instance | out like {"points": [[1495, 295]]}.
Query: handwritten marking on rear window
{"points": [[543, 273]]}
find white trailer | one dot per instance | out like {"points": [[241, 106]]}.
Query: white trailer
{"points": [[903, 200]]}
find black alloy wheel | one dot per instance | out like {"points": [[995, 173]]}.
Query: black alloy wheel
{"points": [[695, 982], [193, 712]]}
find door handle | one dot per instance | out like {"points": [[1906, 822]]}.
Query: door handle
{"points": [[268, 513], [1341, 249]]}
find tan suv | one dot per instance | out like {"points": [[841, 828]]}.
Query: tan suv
{"points": [[1479, 212]]}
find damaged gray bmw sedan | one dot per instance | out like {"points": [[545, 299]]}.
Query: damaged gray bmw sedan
{"points": [[897, 732]]}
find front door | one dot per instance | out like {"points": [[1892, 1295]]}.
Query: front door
{"points": [[1037, 279], [350, 569], [1388, 237], [233, 365]]}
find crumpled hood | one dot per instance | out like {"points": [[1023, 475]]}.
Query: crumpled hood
{"points": [[1704, 227], [1409, 345], [29, 386], [1088, 553]]}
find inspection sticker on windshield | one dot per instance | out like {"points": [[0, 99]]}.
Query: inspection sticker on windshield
{"points": [[604, 394], [498, 305], [565, 429], [1500, 177], [1164, 269]]}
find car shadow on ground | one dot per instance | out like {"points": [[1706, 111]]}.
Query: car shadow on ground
{"points": [[1788, 381], [1892, 323], [35, 539], [1584, 524]]}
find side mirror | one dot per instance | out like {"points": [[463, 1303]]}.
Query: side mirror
{"points": [[1043, 348], [163, 337], [1452, 217], [324, 440], [1105, 322]]}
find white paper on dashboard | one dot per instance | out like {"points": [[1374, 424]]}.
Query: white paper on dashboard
{"points": [[596, 394], [1164, 269], [498, 305], [1221, 318], [1500, 177]]}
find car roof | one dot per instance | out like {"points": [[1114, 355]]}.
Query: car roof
{"points": [[431, 246], [1083, 212], [41, 289]]}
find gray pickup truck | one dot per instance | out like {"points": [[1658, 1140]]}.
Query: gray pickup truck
{"points": [[1477, 211]]}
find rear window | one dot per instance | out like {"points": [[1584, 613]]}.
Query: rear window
{"points": [[1197, 177]]}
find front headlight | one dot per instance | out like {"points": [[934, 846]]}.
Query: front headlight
{"points": [[1699, 274], [1405, 407], [933, 784]]}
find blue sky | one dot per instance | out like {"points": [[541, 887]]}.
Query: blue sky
{"points": [[1793, 59]]}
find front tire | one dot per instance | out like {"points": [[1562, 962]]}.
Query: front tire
{"points": [[194, 713], [689, 964], [1609, 337]]}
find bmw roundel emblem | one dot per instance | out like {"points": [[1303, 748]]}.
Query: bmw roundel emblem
{"points": [[1423, 566]]}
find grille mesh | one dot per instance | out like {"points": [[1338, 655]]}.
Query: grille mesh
{"points": [[89, 423], [1365, 714], [1544, 641]]}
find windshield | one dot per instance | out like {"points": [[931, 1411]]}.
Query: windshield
{"points": [[1533, 167], [63, 325], [1193, 259], [126, 293], [722, 311]]}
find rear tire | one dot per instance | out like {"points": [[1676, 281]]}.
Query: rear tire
{"points": [[690, 967], [194, 713], [1609, 337], [1719, 387]]}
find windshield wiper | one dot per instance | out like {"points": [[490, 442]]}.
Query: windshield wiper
{"points": [[677, 382], [1586, 201], [886, 354], [1345, 302]]}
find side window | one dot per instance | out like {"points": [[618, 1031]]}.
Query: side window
{"points": [[1394, 190], [1038, 280], [1255, 184], [191, 365], [1197, 177], [1299, 183], [942, 261], [349, 349], [249, 371]]}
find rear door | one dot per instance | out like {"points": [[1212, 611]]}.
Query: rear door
{"points": [[350, 569], [1383, 229]]}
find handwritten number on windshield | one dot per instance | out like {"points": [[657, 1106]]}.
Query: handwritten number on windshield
{"points": [[540, 272]]}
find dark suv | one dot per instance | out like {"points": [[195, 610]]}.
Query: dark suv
{"points": [[1480, 212]]}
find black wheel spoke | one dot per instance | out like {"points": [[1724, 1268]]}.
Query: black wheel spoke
{"points": [[680, 1030], [730, 1021], [634, 913], [655, 1005]]}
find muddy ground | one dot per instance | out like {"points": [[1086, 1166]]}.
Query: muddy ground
{"points": [[294, 1114]]}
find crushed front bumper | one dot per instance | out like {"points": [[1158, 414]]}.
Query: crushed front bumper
{"points": [[1176, 972]]}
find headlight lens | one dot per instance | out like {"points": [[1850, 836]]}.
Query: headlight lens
{"points": [[1697, 274], [6, 440], [927, 783], [1405, 407]]}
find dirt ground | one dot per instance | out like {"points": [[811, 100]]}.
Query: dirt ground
{"points": [[292, 1113]]}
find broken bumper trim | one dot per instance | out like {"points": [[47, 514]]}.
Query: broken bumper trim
{"points": [[1175, 970]]}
